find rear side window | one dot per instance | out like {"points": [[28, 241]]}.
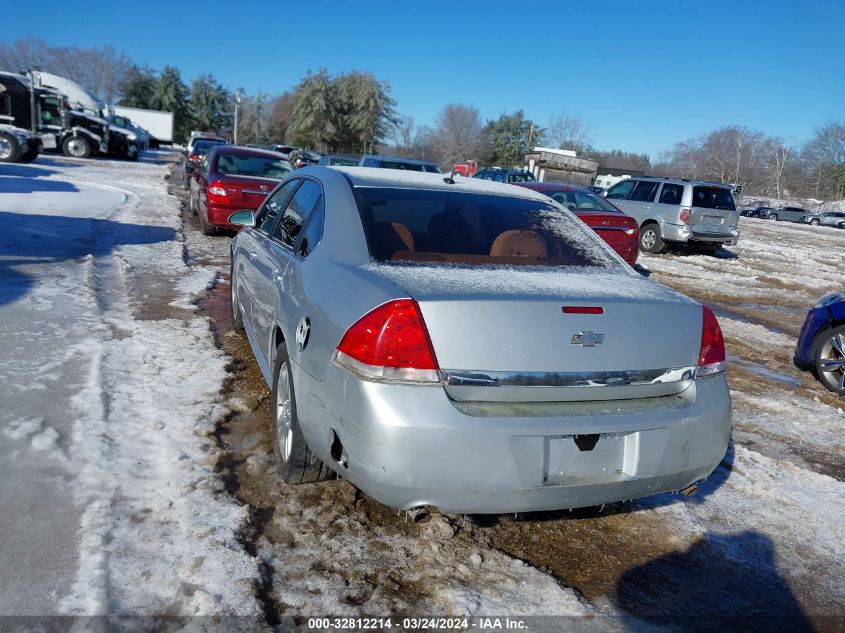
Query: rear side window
{"points": [[644, 191], [621, 190], [313, 231], [297, 212], [261, 166], [713, 198], [413, 225], [671, 194], [273, 205], [577, 200]]}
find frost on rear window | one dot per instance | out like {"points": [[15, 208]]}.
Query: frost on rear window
{"points": [[472, 229]]}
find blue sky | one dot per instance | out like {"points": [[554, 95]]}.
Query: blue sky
{"points": [[643, 74]]}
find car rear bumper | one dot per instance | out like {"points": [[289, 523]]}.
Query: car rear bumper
{"points": [[218, 216], [686, 233], [409, 446]]}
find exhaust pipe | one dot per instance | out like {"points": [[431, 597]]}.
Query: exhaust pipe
{"points": [[689, 490]]}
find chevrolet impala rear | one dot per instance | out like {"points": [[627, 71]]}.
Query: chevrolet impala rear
{"points": [[480, 350]]}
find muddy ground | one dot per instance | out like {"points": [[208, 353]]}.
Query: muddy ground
{"points": [[347, 554]]}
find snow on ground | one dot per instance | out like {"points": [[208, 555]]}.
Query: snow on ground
{"points": [[111, 503], [111, 392]]}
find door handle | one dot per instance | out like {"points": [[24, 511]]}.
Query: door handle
{"points": [[646, 207], [252, 256]]}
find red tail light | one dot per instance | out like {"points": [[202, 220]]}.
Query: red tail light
{"points": [[217, 194], [686, 215], [711, 358], [390, 344]]}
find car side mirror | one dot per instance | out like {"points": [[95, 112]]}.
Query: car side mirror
{"points": [[603, 194], [244, 217]]}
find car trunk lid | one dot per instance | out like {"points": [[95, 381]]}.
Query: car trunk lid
{"points": [[507, 336], [247, 192]]}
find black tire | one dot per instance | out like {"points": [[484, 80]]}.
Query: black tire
{"points": [[191, 204], [829, 359], [77, 146], [29, 156], [296, 463], [650, 239], [814, 222], [237, 317], [10, 149], [206, 228], [773, 216]]}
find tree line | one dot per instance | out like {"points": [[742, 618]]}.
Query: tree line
{"points": [[354, 113]]}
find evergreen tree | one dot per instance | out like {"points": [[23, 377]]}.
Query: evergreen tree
{"points": [[365, 112], [511, 136], [171, 95], [137, 88], [315, 112], [209, 105]]}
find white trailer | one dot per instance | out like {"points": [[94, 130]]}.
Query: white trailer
{"points": [[159, 124]]}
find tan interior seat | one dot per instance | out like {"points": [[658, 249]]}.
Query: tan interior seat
{"points": [[405, 235], [515, 243]]}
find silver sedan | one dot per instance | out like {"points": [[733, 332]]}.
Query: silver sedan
{"points": [[471, 346]]}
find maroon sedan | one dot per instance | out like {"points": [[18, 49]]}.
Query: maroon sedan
{"points": [[616, 228], [232, 178]]}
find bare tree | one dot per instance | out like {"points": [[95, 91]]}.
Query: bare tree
{"points": [[777, 158], [568, 131], [458, 134]]}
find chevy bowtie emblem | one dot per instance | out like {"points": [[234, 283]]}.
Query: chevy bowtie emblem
{"points": [[587, 339]]}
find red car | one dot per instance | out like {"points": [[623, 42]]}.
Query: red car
{"points": [[232, 178], [619, 230]]}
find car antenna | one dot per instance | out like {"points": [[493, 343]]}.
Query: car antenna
{"points": [[450, 179]]}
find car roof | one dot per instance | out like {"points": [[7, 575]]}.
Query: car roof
{"points": [[554, 186], [412, 161], [239, 150], [697, 183], [378, 177]]}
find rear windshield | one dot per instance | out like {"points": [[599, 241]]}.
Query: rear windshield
{"points": [[201, 147], [235, 165], [713, 198], [413, 225], [581, 201]]}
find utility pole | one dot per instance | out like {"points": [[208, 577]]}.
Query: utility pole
{"points": [[237, 107]]}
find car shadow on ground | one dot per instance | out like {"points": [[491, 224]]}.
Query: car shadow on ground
{"points": [[37, 239], [723, 582], [55, 160]]}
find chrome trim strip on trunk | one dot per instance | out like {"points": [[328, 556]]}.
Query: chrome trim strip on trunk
{"points": [[261, 193], [471, 378]]}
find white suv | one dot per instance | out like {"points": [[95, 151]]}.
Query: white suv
{"points": [[675, 210]]}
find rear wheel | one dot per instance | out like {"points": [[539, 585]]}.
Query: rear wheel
{"points": [[237, 317], [77, 146], [10, 149], [650, 239], [830, 359], [207, 229], [296, 463], [814, 222]]}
